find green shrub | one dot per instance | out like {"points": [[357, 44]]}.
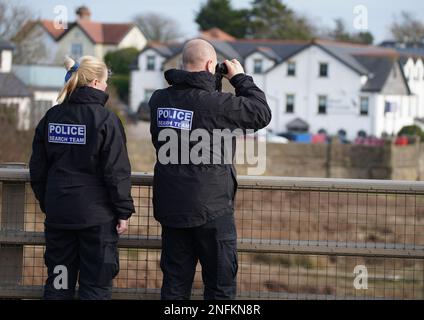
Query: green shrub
{"points": [[119, 61], [121, 83], [412, 130]]}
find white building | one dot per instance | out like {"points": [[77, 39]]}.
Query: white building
{"points": [[15, 98], [315, 85]]}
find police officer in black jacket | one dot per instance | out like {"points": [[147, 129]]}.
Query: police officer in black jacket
{"points": [[80, 174], [194, 200]]}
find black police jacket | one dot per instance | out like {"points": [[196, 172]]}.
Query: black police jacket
{"points": [[79, 167], [189, 194]]}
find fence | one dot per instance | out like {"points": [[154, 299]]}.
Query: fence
{"points": [[299, 238]]}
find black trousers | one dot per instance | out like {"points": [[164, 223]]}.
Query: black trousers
{"points": [[89, 256], [214, 245]]}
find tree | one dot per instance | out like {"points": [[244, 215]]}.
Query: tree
{"points": [[274, 20], [340, 33], [408, 29], [15, 21], [119, 62], [220, 14], [158, 27], [365, 37], [265, 19]]}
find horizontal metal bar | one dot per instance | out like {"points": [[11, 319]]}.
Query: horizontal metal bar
{"points": [[330, 251], [37, 238], [347, 185]]}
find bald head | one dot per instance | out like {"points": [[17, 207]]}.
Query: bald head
{"points": [[199, 55]]}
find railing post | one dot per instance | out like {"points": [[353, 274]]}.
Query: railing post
{"points": [[12, 219]]}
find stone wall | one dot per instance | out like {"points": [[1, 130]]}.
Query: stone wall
{"points": [[313, 160]]}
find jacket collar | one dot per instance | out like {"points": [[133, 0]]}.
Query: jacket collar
{"points": [[201, 80], [86, 94]]}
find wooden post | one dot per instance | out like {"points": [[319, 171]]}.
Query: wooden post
{"points": [[12, 220]]}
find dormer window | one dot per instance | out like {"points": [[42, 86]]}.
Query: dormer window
{"points": [[291, 69], [151, 62], [258, 66], [323, 70]]}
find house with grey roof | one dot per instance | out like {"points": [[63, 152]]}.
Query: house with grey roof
{"points": [[44, 82], [412, 62], [26, 91], [15, 98], [327, 86]]}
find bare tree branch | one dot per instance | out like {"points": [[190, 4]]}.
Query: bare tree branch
{"points": [[158, 27], [408, 29], [14, 21]]}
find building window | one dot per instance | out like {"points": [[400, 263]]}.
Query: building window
{"points": [[257, 67], [76, 50], [290, 103], [151, 61], [364, 106], [323, 70], [322, 104], [148, 94], [291, 69]]}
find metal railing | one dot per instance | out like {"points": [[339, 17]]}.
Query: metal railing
{"points": [[299, 238]]}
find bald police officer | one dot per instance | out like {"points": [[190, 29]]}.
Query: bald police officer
{"points": [[194, 202]]}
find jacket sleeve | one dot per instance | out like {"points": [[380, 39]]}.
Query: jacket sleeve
{"points": [[116, 168], [38, 166], [248, 109]]}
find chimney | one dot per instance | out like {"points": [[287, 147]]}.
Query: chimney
{"points": [[83, 13]]}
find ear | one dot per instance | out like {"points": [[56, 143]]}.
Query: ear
{"points": [[210, 67]]}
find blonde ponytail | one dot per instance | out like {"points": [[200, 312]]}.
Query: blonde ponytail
{"points": [[89, 68]]}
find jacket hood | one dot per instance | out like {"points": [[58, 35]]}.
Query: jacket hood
{"points": [[202, 80], [87, 95]]}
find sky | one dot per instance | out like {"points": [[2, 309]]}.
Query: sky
{"points": [[321, 12]]}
